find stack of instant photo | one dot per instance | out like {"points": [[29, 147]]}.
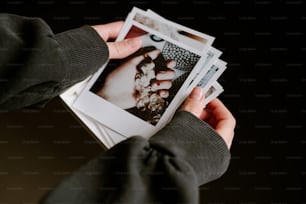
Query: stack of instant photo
{"points": [[139, 95]]}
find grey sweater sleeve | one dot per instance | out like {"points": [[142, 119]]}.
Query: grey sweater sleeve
{"points": [[189, 139], [37, 65], [168, 168]]}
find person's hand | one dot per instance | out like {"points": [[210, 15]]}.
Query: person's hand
{"points": [[120, 88], [215, 114], [119, 49]]}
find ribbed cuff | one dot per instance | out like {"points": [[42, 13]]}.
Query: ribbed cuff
{"points": [[83, 50]]}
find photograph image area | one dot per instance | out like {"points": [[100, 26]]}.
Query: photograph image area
{"points": [[193, 39], [145, 83]]}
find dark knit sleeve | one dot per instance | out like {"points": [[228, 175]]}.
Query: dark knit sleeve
{"points": [[168, 168], [37, 65], [191, 140]]}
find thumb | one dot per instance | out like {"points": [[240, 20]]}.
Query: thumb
{"points": [[195, 102], [124, 48]]}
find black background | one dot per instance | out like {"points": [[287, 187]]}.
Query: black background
{"points": [[264, 44]]}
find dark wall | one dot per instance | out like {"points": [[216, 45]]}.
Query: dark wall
{"points": [[264, 44]]}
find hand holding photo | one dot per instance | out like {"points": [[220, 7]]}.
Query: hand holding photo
{"points": [[139, 94]]}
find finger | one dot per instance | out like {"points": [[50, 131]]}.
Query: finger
{"points": [[221, 113], [163, 93], [223, 121], [194, 103], [109, 30], [165, 75], [152, 54], [159, 85], [171, 64], [124, 48], [113, 29], [205, 115]]}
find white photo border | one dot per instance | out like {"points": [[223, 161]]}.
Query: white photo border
{"points": [[119, 119]]}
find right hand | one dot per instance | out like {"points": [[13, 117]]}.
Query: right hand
{"points": [[215, 114]]}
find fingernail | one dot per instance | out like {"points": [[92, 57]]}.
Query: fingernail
{"points": [[197, 93]]}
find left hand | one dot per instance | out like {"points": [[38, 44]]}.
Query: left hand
{"points": [[120, 49]]}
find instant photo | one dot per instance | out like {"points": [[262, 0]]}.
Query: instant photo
{"points": [[129, 89], [139, 95]]}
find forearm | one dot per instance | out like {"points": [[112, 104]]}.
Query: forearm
{"points": [[37, 65], [194, 141], [168, 168]]}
